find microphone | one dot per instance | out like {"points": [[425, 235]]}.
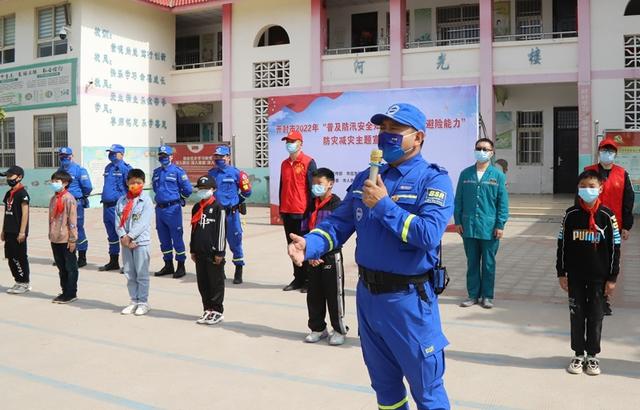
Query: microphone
{"points": [[376, 161]]}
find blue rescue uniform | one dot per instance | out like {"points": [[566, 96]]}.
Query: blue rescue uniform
{"points": [[233, 188], [80, 187], [115, 187], [400, 332], [171, 186]]}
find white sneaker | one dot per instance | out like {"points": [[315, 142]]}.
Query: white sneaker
{"points": [[469, 302], [487, 303], [214, 318], [315, 337], [593, 366], [204, 317], [129, 309], [336, 339], [22, 288], [576, 365], [142, 309], [13, 288]]}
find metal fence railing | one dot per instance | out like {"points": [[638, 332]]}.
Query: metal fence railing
{"points": [[354, 50], [536, 36], [443, 43], [203, 64]]}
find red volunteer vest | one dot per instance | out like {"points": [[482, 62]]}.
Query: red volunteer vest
{"points": [[294, 189], [612, 190]]}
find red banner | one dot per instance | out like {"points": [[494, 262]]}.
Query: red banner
{"points": [[624, 138], [195, 159]]}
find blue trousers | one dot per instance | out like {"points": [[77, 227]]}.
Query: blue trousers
{"points": [[234, 237], [481, 266], [169, 226], [83, 243], [109, 220], [136, 270], [401, 337]]}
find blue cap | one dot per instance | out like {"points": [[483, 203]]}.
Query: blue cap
{"points": [[116, 148], [405, 114], [223, 150], [166, 150], [65, 151]]}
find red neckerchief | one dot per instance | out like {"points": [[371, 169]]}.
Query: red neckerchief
{"points": [[592, 215], [59, 208], [126, 211], [314, 215], [203, 204], [12, 192]]}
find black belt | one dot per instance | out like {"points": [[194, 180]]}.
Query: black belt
{"points": [[167, 204], [109, 204], [383, 282]]}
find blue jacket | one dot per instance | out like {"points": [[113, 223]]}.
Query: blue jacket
{"points": [[402, 233], [80, 185], [233, 185], [138, 225], [115, 181], [481, 206], [171, 184]]}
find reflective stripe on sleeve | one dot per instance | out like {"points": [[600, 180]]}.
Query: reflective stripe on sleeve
{"points": [[326, 235], [405, 228]]}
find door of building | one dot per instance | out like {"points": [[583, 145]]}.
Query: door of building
{"points": [[565, 149]]}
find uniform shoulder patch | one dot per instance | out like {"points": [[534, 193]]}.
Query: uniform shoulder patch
{"points": [[435, 196], [184, 177]]}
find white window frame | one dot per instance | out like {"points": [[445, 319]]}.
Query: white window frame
{"points": [[52, 42], [632, 51], [58, 139], [270, 74], [632, 103], [7, 47], [261, 132], [530, 132], [463, 30], [8, 142], [528, 22]]}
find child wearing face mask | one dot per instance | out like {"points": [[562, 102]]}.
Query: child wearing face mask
{"points": [[15, 230], [63, 235], [588, 262], [207, 247], [326, 275], [134, 212]]}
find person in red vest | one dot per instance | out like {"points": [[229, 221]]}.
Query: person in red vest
{"points": [[295, 198], [617, 191]]}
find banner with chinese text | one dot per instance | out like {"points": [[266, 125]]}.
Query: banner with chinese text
{"points": [[629, 158]]}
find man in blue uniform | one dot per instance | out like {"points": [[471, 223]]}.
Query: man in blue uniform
{"points": [[115, 186], [80, 187], [399, 220], [233, 188], [171, 186]]}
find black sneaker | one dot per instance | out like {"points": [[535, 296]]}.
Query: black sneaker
{"points": [[58, 299], [67, 299]]}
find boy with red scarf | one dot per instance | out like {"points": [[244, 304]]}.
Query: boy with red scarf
{"points": [[207, 247], [326, 275], [15, 229], [588, 262], [133, 226], [63, 235]]}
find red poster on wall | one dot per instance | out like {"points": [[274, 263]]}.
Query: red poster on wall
{"points": [[195, 159]]}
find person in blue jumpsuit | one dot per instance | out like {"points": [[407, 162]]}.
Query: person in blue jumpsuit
{"points": [[115, 186], [399, 220], [80, 187], [481, 212], [172, 187], [234, 188]]}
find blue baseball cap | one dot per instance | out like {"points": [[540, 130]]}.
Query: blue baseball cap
{"points": [[223, 150], [405, 114], [166, 150], [116, 148], [65, 151]]}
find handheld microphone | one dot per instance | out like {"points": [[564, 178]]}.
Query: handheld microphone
{"points": [[376, 161]]}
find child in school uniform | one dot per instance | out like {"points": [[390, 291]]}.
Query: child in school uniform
{"points": [[15, 230]]}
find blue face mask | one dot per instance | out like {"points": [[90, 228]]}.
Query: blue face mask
{"points": [[57, 186], [607, 157], [391, 146], [113, 157], [589, 195], [164, 160], [65, 162], [482, 156], [318, 190], [204, 194], [292, 147], [220, 163]]}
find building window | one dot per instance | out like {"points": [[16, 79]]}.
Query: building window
{"points": [[51, 135], [8, 142], [261, 131], [273, 36], [529, 19], [458, 25], [632, 51], [271, 74], [530, 135], [50, 21], [632, 104], [7, 39]]}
